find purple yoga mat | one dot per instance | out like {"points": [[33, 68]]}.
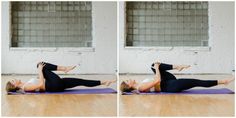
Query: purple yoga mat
{"points": [[191, 91], [73, 91]]}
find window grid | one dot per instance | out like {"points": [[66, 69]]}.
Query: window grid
{"points": [[167, 23], [51, 24]]}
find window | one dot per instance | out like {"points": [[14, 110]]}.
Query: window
{"points": [[166, 24], [51, 24]]}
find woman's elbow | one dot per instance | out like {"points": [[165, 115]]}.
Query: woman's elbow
{"points": [[157, 81], [40, 84]]}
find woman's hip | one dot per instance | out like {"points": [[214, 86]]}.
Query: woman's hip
{"points": [[169, 86], [54, 87]]}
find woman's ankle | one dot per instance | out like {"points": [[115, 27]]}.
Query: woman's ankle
{"points": [[69, 68], [220, 82]]}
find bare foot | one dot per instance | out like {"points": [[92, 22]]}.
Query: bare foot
{"points": [[227, 81], [69, 68], [108, 82], [181, 67]]}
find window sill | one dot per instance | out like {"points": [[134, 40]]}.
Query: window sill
{"points": [[47, 49], [169, 48]]}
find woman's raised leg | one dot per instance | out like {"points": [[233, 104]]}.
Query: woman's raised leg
{"points": [[53, 67], [164, 67]]}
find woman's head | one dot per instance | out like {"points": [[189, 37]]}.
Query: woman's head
{"points": [[13, 85], [127, 86]]}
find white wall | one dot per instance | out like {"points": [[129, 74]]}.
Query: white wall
{"points": [[100, 60], [218, 58]]}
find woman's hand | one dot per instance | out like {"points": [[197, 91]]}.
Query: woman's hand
{"points": [[41, 65], [156, 65], [157, 62]]}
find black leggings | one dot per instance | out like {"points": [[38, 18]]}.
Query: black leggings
{"points": [[54, 83], [169, 83]]}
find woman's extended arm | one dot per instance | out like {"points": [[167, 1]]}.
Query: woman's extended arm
{"points": [[30, 87], [146, 86]]}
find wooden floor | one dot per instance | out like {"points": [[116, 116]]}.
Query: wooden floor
{"points": [[177, 105], [58, 105]]}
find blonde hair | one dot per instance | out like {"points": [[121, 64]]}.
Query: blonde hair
{"points": [[11, 88], [125, 87]]}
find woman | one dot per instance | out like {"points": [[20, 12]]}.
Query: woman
{"points": [[167, 82], [51, 82]]}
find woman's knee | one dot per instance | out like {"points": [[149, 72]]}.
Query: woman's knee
{"points": [[39, 63]]}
